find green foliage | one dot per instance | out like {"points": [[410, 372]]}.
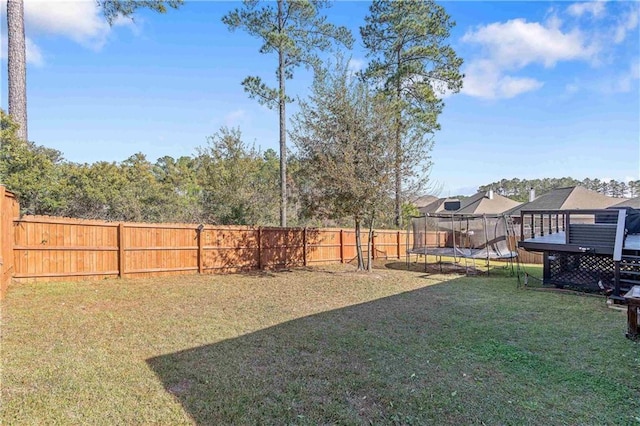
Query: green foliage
{"points": [[409, 210], [29, 170], [410, 58], [239, 184], [413, 66], [342, 134], [294, 30]]}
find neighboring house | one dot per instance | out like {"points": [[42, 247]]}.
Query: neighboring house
{"points": [[481, 203], [631, 202], [571, 197], [487, 203]]}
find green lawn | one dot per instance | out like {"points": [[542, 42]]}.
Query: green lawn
{"points": [[323, 346]]}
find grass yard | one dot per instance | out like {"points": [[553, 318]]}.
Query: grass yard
{"points": [[323, 346]]}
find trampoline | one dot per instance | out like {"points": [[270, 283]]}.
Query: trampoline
{"points": [[463, 237]]}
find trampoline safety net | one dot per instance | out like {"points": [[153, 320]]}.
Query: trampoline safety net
{"points": [[466, 236]]}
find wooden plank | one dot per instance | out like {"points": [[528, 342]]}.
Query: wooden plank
{"points": [[121, 251]]}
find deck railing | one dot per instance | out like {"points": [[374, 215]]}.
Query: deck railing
{"points": [[600, 224]]}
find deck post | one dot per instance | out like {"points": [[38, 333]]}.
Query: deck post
{"points": [[616, 278], [533, 225], [546, 269], [567, 225]]}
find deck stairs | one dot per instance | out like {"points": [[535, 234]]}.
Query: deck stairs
{"points": [[629, 269]]}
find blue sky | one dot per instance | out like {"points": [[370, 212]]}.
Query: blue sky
{"points": [[551, 88]]}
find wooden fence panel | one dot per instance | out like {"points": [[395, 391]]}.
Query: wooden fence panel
{"points": [[152, 250], [323, 246], [282, 247], [230, 249], [49, 249]]}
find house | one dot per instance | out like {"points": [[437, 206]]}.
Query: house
{"points": [[486, 203], [571, 197], [441, 205]]}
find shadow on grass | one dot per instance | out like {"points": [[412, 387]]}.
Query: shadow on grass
{"points": [[331, 367], [394, 360]]}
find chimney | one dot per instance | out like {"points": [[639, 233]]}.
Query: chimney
{"points": [[532, 194], [491, 194]]}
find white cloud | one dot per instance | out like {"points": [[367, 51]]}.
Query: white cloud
{"points": [[79, 20], [595, 8], [517, 43], [572, 88], [623, 82], [355, 65], [234, 118], [626, 24], [34, 55], [485, 80], [507, 47]]}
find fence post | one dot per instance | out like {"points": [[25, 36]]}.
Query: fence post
{"points": [[121, 259], [341, 246], [199, 230], [373, 245], [260, 248], [304, 247], [398, 240]]}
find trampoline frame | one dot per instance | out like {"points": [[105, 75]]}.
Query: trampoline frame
{"points": [[484, 252]]}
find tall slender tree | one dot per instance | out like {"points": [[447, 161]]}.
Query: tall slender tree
{"points": [[16, 58], [295, 31], [17, 66], [412, 65]]}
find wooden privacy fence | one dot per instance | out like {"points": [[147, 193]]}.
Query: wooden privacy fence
{"points": [[9, 210], [49, 248]]}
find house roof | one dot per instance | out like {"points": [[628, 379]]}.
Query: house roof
{"points": [[424, 200], [486, 203], [631, 202], [436, 206], [571, 197]]}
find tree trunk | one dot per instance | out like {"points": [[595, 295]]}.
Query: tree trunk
{"points": [[370, 247], [398, 163], [17, 69], [283, 123], [359, 246]]}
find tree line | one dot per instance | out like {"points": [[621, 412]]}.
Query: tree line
{"points": [[519, 189]]}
